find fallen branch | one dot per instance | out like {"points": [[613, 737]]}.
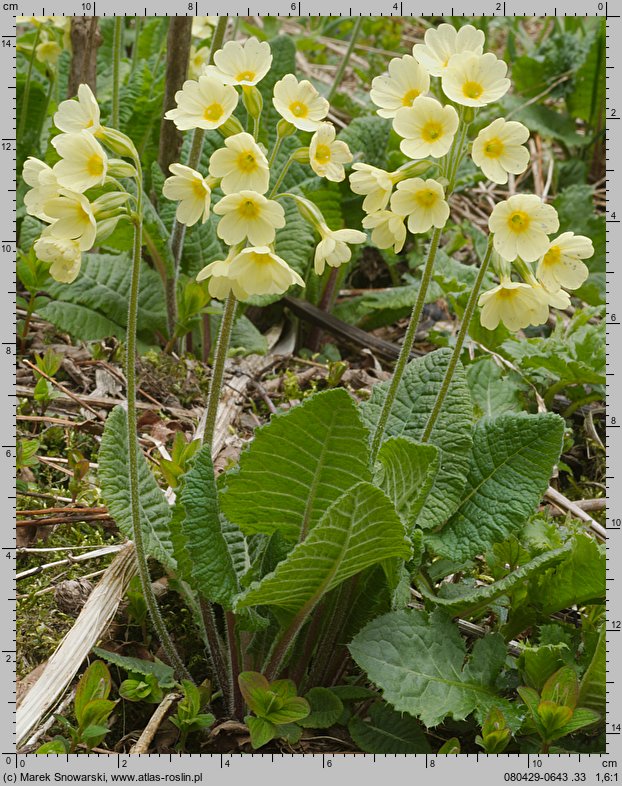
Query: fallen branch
{"points": [[567, 505], [149, 732]]}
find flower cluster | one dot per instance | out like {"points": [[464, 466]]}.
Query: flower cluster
{"points": [[250, 213], [53, 36], [78, 198], [521, 225]]}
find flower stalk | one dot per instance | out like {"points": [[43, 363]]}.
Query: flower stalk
{"points": [[116, 69], [218, 368]]}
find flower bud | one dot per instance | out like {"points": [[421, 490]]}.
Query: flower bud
{"points": [[119, 168], [301, 155], [110, 201], [524, 270], [105, 228], [309, 211], [119, 143], [501, 266], [285, 128], [231, 127], [413, 169], [253, 100]]}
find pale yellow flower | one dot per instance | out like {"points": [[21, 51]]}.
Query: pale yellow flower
{"points": [[43, 186], [191, 190], [31, 20], [64, 254], [83, 163], [332, 249], [423, 201], [406, 81], [521, 225], [48, 52], [249, 215], [73, 218], [241, 164], [82, 115], [202, 26], [241, 64], [388, 229], [326, 155], [427, 128], [373, 183], [561, 265], [515, 304], [220, 284], [475, 80], [443, 42], [498, 149], [299, 103], [198, 61], [261, 272], [205, 103]]}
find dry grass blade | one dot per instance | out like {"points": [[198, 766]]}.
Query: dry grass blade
{"points": [[62, 667]]}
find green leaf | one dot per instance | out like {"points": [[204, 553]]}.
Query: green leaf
{"points": [[292, 710], [94, 684], [254, 688], [539, 663], [587, 100], [155, 512], [388, 731], [58, 745], [94, 731], [216, 548], [95, 713], [593, 687], [261, 731], [95, 305], [326, 709], [493, 393], [579, 580], [511, 462], [562, 688], [368, 137], [405, 472], [29, 142], [246, 339], [581, 718], [548, 122], [451, 434], [474, 601], [360, 529], [164, 674], [421, 665], [297, 465]]}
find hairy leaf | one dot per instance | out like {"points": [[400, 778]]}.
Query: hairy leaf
{"points": [[388, 731], [360, 529], [405, 472], [326, 709], [368, 136], [297, 465], [451, 433], [164, 674], [511, 462], [493, 393], [420, 663], [114, 473]]}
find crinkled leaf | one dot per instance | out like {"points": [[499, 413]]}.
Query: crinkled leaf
{"points": [[326, 709], [405, 472], [216, 548], [155, 512], [95, 305], [593, 687], [360, 529], [297, 465], [493, 393], [368, 137], [451, 434], [421, 665], [164, 674], [539, 663], [511, 462], [388, 731]]}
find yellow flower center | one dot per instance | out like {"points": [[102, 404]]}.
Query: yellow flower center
{"points": [[213, 112], [248, 209], [431, 131], [90, 124], [322, 154], [552, 256], [410, 96], [95, 165], [246, 162], [472, 89], [198, 189], [246, 76], [426, 198], [494, 148], [518, 222], [298, 109]]}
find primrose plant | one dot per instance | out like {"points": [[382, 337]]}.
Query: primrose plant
{"points": [[299, 563]]}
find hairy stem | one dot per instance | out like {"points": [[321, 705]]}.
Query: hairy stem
{"points": [[133, 447], [117, 41], [235, 695], [215, 648], [138, 21], [407, 344], [346, 58], [218, 369], [462, 334]]}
